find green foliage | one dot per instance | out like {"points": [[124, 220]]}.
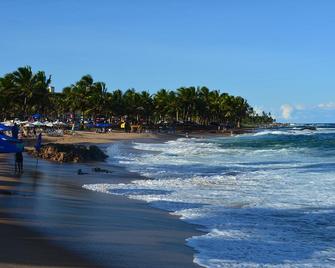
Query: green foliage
{"points": [[23, 93]]}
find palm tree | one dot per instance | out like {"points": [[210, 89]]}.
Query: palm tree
{"points": [[41, 94], [23, 92], [117, 103], [145, 105], [131, 101], [7, 95], [161, 104], [187, 97], [95, 99], [58, 105], [174, 106], [24, 81], [28, 90], [78, 95], [204, 104]]}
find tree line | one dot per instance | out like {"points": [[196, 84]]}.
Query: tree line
{"points": [[23, 93]]}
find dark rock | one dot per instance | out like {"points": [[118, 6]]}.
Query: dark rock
{"points": [[70, 153]]}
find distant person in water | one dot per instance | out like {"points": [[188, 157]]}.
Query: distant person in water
{"points": [[18, 162], [80, 172]]}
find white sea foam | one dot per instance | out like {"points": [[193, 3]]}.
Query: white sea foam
{"points": [[295, 131], [263, 203]]}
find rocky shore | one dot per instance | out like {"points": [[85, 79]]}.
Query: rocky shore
{"points": [[67, 153]]}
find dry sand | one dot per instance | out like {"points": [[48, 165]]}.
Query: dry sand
{"points": [[48, 220], [89, 137]]}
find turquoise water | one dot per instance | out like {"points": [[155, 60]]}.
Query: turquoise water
{"points": [[265, 199]]}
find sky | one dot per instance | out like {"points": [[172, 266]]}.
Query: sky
{"points": [[279, 55]]}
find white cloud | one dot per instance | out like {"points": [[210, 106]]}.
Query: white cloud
{"points": [[327, 106], [300, 107], [286, 111]]}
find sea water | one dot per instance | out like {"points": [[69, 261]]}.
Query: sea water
{"points": [[265, 199]]}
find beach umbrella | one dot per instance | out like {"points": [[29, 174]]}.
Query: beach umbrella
{"points": [[59, 123], [5, 128], [38, 124], [49, 124], [102, 125], [28, 125], [10, 145], [8, 123], [37, 116]]}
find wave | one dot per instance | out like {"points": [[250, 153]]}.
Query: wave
{"points": [[264, 201], [296, 132]]}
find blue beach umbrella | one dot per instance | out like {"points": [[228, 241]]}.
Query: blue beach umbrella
{"points": [[37, 116], [10, 145], [90, 125], [102, 125], [5, 128]]}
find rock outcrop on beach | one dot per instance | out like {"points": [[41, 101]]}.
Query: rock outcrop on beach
{"points": [[66, 153]]}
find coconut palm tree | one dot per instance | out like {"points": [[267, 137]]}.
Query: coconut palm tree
{"points": [[7, 95], [23, 92], [145, 107], [204, 104], [187, 97], [24, 82], [96, 99], [161, 104], [41, 94], [116, 103], [26, 90]]}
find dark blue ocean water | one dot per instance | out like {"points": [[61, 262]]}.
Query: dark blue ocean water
{"points": [[265, 199]]}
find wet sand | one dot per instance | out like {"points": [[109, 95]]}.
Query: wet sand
{"points": [[48, 220]]}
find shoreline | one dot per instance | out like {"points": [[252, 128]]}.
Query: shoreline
{"points": [[142, 236], [88, 137]]}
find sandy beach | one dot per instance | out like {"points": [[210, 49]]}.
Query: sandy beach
{"points": [[89, 137], [48, 220]]}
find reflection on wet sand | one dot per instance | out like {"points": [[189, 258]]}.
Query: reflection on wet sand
{"points": [[106, 230]]}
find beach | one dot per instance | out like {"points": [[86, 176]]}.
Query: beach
{"points": [[49, 220], [260, 199]]}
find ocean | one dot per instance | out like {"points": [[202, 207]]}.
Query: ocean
{"points": [[264, 199]]}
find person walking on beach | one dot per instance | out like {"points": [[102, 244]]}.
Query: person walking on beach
{"points": [[15, 131], [18, 162]]}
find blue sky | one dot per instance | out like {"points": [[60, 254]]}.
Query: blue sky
{"points": [[280, 55]]}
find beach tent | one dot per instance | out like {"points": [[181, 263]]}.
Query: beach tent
{"points": [[10, 145]]}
